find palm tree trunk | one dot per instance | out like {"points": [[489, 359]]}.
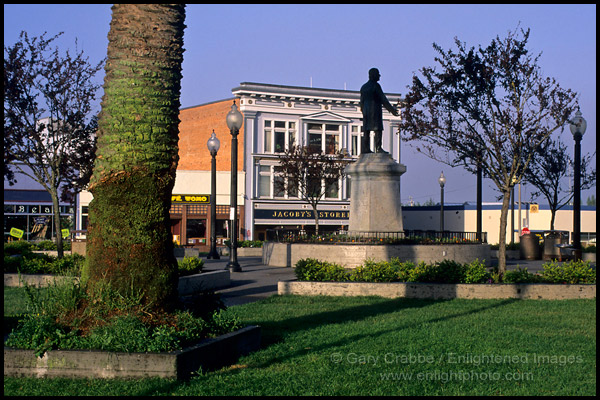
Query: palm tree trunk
{"points": [[130, 246]]}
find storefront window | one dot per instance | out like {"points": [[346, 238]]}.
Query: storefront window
{"points": [[40, 226], [196, 229]]}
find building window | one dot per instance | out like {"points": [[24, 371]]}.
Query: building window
{"points": [[332, 189], [264, 181], [355, 140], [332, 134], [278, 186], [324, 138], [279, 136]]}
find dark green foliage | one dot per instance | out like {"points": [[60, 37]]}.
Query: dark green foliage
{"points": [[190, 266], [55, 320], [569, 272], [32, 263], [19, 247], [446, 271], [519, 275], [476, 272], [313, 270]]}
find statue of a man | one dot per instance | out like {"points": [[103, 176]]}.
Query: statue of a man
{"points": [[371, 100]]}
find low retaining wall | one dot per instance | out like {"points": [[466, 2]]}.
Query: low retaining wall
{"points": [[187, 284], [354, 255], [204, 281], [208, 354], [37, 280], [439, 291]]}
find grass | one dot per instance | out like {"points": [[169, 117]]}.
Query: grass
{"points": [[376, 346]]}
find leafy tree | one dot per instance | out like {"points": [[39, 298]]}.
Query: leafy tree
{"points": [[47, 102], [309, 174], [130, 247], [548, 170], [491, 103]]}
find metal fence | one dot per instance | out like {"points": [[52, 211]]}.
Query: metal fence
{"points": [[402, 237]]}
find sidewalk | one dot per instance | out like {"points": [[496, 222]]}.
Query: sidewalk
{"points": [[256, 281]]}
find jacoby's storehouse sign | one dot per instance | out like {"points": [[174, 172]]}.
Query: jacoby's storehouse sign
{"points": [[299, 214]]}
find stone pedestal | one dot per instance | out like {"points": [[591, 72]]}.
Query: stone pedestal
{"points": [[375, 194]]}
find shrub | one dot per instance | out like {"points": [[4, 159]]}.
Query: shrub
{"points": [[310, 269], [245, 243], [373, 271], [12, 263], [36, 264], [19, 247], [569, 272], [250, 243], [519, 275], [589, 249], [45, 245], [31, 263], [476, 272], [446, 271], [190, 266]]}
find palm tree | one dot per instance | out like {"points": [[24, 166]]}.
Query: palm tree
{"points": [[130, 247]]}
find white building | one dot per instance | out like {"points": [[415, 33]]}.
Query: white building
{"points": [[276, 117]]}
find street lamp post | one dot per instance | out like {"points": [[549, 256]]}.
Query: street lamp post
{"points": [[234, 123], [213, 146], [442, 181], [578, 125]]}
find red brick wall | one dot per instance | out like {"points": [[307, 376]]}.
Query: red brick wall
{"points": [[195, 128]]}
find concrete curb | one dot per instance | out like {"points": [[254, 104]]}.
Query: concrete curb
{"points": [[439, 291], [205, 281], [187, 284], [181, 364]]}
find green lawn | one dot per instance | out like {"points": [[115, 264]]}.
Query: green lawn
{"points": [[377, 346]]}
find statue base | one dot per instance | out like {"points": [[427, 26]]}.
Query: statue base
{"points": [[375, 194]]}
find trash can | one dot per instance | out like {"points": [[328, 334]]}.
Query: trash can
{"points": [[551, 239], [530, 247]]}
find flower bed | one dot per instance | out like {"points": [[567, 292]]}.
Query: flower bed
{"points": [[181, 364]]}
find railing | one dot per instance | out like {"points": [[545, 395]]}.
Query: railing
{"points": [[402, 237]]}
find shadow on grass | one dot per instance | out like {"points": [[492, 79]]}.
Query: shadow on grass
{"points": [[353, 314]]}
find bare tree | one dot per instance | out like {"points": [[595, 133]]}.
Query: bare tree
{"points": [[549, 170], [491, 103], [47, 102], [309, 174]]}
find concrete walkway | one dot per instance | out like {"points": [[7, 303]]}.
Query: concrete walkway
{"points": [[254, 282], [257, 281]]}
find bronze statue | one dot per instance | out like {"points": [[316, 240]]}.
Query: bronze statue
{"points": [[371, 100]]}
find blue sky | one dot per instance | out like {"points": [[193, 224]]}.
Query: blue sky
{"points": [[335, 45]]}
